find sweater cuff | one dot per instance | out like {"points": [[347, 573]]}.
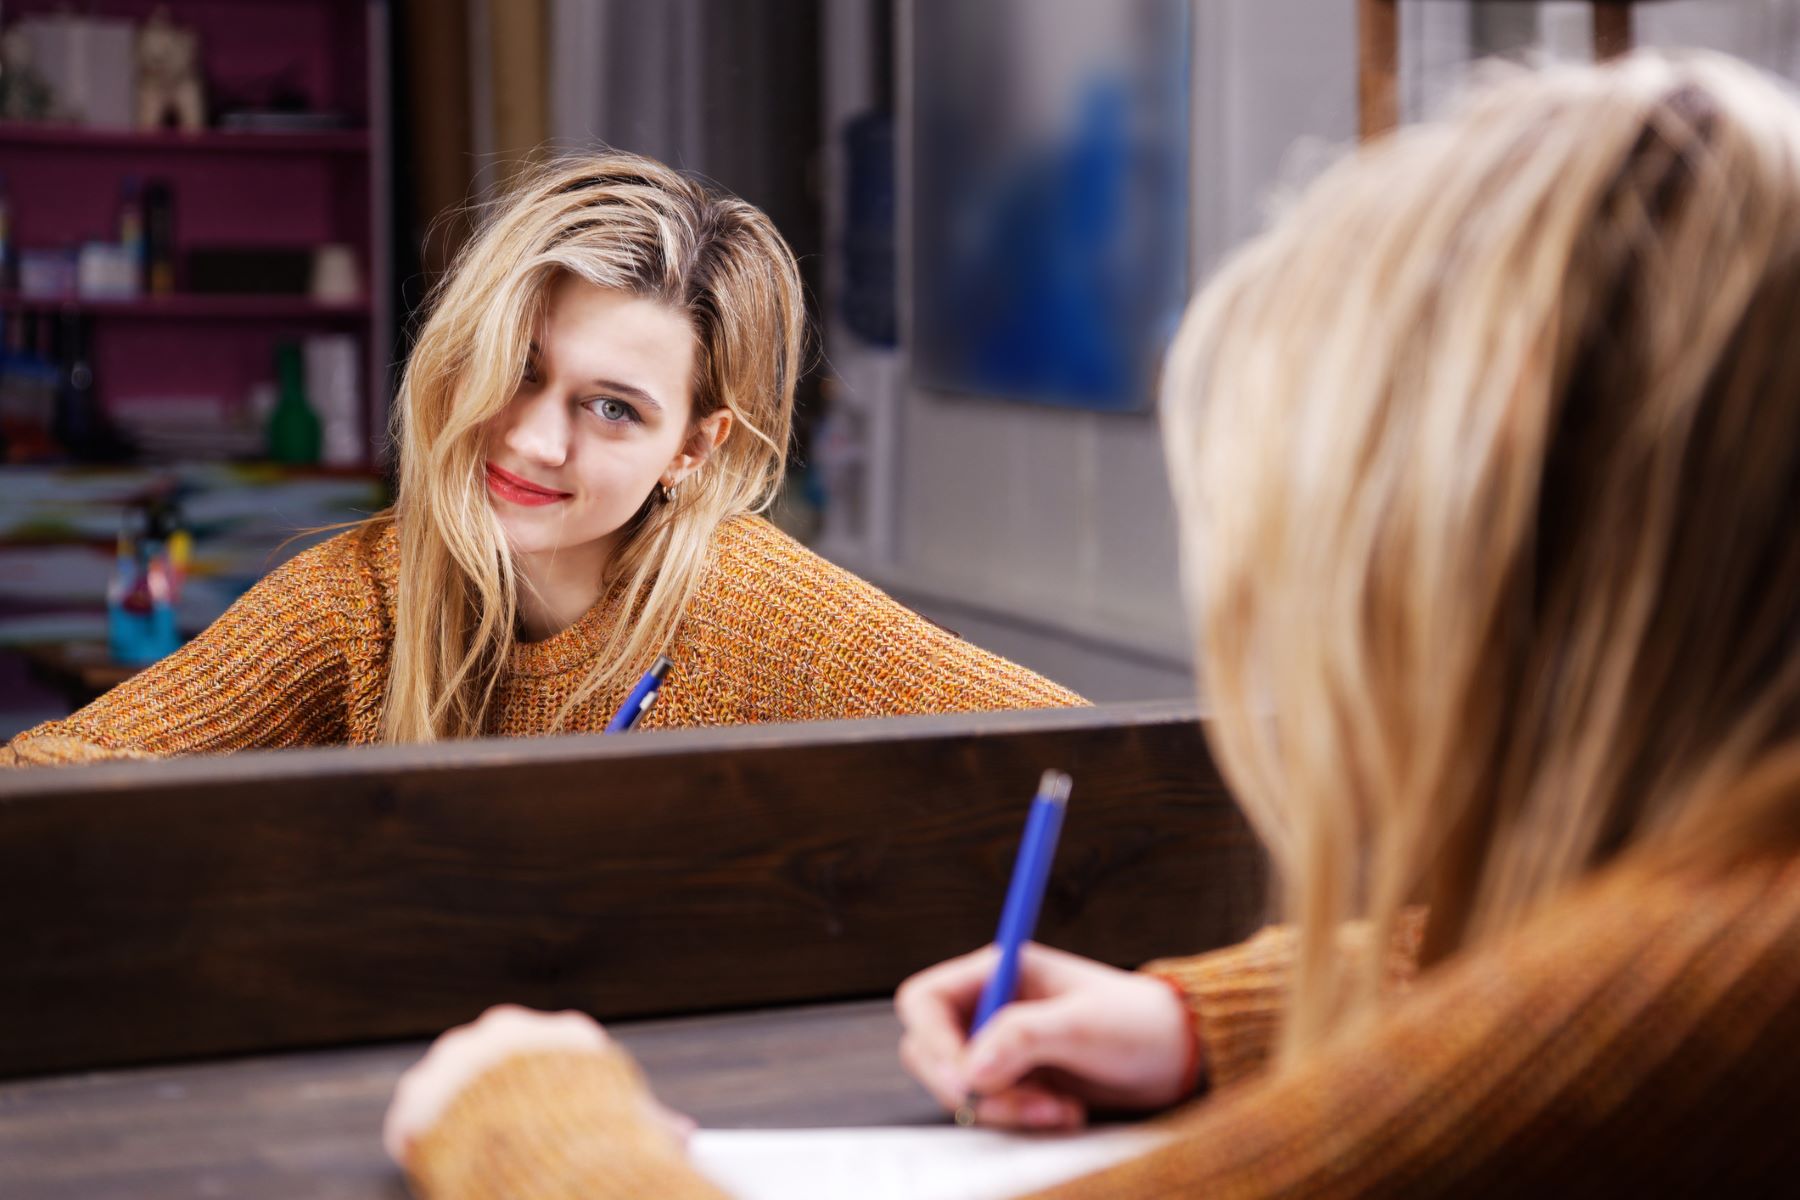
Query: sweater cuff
{"points": [[1193, 1070], [553, 1126], [45, 749], [1237, 997]]}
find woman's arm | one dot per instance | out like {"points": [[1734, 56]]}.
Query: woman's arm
{"points": [[1638, 1043], [535, 1106], [270, 672]]}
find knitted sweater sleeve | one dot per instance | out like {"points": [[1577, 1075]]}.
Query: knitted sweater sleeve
{"points": [[552, 1127], [271, 672]]}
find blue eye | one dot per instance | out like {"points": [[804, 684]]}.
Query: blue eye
{"points": [[614, 412]]}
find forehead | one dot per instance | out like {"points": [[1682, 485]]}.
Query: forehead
{"points": [[592, 333]]}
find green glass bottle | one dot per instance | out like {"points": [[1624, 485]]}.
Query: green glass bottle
{"points": [[294, 433]]}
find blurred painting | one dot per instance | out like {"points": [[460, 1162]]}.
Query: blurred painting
{"points": [[1049, 196]]}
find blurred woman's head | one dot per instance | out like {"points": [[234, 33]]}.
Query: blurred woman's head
{"points": [[1488, 458], [607, 373]]}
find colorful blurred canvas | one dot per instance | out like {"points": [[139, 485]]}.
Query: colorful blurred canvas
{"points": [[1049, 196]]}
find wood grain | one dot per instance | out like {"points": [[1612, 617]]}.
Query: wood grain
{"points": [[1612, 29], [1377, 67], [308, 1126], [267, 901]]}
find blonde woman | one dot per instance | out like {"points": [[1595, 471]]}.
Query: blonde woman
{"points": [[596, 409], [1487, 458]]}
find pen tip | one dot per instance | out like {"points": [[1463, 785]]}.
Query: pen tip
{"points": [[661, 666], [1055, 786]]}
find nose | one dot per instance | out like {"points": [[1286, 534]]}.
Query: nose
{"points": [[539, 429]]}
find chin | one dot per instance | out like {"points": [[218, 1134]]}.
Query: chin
{"points": [[524, 535], [545, 532]]}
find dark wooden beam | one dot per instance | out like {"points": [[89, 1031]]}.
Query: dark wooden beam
{"points": [[1378, 66], [1612, 29], [153, 912]]}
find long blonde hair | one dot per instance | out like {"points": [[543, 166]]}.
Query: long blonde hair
{"points": [[1488, 459], [618, 221]]}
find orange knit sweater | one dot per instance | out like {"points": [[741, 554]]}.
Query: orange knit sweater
{"points": [[1643, 1037], [775, 633]]}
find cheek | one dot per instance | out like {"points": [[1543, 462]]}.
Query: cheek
{"points": [[495, 429]]}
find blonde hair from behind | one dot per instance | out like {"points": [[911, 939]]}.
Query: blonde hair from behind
{"points": [[618, 221], [1487, 456]]}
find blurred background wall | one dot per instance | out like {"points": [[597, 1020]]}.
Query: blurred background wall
{"points": [[973, 190]]}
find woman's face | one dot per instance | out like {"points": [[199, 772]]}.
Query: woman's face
{"points": [[602, 416]]}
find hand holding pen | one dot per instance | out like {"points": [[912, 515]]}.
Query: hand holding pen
{"points": [[1021, 1035]]}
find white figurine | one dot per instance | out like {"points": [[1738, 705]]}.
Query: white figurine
{"points": [[168, 68]]}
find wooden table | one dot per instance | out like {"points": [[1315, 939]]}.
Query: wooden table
{"points": [[309, 1125]]}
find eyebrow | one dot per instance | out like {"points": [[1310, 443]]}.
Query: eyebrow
{"points": [[626, 391]]}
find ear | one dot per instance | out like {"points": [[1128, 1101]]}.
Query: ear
{"points": [[707, 435]]}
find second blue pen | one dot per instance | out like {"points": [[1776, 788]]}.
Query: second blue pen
{"points": [[641, 698]]}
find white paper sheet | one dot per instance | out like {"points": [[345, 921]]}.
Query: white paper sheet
{"points": [[934, 1163]]}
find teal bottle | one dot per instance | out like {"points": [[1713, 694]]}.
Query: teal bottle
{"points": [[294, 432]]}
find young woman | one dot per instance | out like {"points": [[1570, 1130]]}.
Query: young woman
{"points": [[1487, 458], [597, 407]]}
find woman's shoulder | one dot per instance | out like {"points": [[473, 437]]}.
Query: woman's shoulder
{"points": [[349, 574], [757, 569], [370, 548], [770, 606]]}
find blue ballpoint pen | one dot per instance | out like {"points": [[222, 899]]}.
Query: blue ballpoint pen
{"points": [[642, 696], [1024, 896]]}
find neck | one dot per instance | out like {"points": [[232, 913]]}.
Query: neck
{"points": [[558, 587]]}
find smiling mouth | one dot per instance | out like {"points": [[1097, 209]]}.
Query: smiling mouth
{"points": [[511, 488]]}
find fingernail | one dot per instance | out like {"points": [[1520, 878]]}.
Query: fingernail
{"points": [[1042, 1110]]}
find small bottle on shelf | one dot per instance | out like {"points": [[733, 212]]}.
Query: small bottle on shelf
{"points": [[294, 433], [131, 231], [78, 425], [159, 238], [32, 379]]}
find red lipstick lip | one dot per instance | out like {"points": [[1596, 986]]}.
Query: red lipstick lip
{"points": [[508, 486]]}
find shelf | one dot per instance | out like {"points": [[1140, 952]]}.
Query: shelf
{"points": [[249, 308], [52, 136]]}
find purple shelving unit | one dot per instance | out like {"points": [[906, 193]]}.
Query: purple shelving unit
{"points": [[238, 189]]}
